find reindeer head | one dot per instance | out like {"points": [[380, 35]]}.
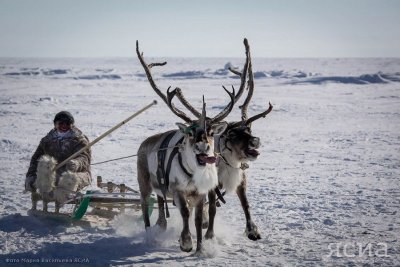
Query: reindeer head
{"points": [[199, 134], [200, 141], [241, 143], [238, 137]]}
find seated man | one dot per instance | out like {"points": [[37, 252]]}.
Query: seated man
{"points": [[60, 143]]}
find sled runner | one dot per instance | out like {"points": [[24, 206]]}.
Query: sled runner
{"points": [[116, 199]]}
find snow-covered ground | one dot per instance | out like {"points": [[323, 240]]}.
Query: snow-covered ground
{"points": [[324, 191]]}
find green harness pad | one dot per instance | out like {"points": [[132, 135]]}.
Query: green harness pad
{"points": [[82, 208]]}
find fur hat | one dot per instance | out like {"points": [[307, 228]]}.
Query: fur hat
{"points": [[64, 116]]}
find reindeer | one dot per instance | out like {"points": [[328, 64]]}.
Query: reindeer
{"points": [[190, 163], [235, 147]]}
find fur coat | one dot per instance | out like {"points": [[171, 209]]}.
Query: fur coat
{"points": [[60, 148]]}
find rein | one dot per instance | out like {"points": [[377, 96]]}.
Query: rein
{"points": [[131, 156]]}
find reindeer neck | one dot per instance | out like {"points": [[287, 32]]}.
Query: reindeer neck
{"points": [[190, 166]]}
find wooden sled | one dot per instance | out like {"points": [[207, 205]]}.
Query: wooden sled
{"points": [[116, 199]]}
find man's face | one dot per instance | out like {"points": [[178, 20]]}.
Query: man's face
{"points": [[63, 126]]}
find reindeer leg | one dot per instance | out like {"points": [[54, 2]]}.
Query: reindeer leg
{"points": [[198, 222], [205, 217], [185, 241], [145, 210], [145, 188], [212, 210], [34, 199], [251, 229], [161, 221]]}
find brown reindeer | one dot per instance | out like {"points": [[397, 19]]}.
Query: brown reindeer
{"points": [[187, 171], [236, 146]]}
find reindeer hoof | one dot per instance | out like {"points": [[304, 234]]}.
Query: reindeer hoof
{"points": [[186, 249], [186, 243], [209, 235], [253, 233], [162, 224], [199, 253], [204, 225], [254, 237]]}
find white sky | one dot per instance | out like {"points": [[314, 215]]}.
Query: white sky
{"points": [[206, 28]]}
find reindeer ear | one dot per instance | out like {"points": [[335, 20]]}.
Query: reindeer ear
{"points": [[184, 128], [219, 128]]}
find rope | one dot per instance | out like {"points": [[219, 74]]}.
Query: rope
{"points": [[126, 157], [101, 162]]}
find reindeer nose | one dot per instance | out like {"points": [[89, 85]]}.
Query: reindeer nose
{"points": [[202, 147], [255, 142]]}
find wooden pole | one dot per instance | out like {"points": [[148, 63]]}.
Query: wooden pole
{"points": [[104, 135]]}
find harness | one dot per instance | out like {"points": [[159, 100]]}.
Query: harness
{"points": [[243, 166], [162, 173]]}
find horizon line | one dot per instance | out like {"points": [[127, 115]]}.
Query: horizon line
{"points": [[200, 57]]}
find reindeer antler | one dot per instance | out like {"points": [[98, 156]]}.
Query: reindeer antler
{"points": [[167, 99], [256, 117], [241, 87], [186, 103], [148, 72], [243, 74], [172, 107], [178, 92], [203, 118], [225, 112], [250, 87]]}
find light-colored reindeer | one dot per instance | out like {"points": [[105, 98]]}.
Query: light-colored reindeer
{"points": [[187, 171], [235, 146]]}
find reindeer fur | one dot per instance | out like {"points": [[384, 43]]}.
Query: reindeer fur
{"points": [[230, 174], [233, 179], [182, 188]]}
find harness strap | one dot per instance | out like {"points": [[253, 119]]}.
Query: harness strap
{"points": [[220, 195], [243, 166], [163, 173], [183, 167], [162, 178], [171, 157]]}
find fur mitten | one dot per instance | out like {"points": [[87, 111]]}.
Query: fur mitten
{"points": [[66, 188], [46, 176]]}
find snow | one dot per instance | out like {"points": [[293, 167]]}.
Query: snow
{"points": [[327, 177]]}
